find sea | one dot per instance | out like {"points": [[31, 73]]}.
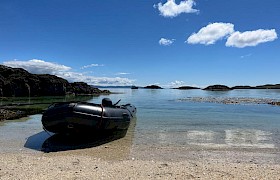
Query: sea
{"points": [[182, 119]]}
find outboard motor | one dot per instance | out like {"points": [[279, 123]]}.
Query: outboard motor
{"points": [[107, 102]]}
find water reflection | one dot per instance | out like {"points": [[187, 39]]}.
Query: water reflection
{"points": [[248, 138], [60, 142], [240, 138], [36, 141], [233, 138], [201, 136], [44, 100]]}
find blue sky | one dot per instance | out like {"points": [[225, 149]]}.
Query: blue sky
{"points": [[143, 42]]}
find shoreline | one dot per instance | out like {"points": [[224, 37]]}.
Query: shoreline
{"points": [[80, 165]]}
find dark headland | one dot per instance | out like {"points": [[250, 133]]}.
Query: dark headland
{"points": [[17, 82]]}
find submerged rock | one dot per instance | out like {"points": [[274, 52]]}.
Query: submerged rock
{"points": [[6, 114], [232, 100], [275, 103]]}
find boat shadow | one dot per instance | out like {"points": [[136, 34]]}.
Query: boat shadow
{"points": [[59, 142]]}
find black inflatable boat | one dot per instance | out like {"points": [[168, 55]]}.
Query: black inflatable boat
{"points": [[82, 117]]}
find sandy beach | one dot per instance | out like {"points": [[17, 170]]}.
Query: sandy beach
{"points": [[121, 159], [80, 165]]}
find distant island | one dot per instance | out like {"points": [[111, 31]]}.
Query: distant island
{"points": [[226, 88], [153, 87], [134, 87], [267, 86], [186, 87], [216, 87], [219, 87]]}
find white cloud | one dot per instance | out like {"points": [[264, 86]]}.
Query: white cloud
{"points": [[80, 77], [211, 33], [122, 73], [37, 66], [42, 67], [171, 9], [251, 38], [91, 65], [156, 83], [177, 83], [245, 56], [166, 42]]}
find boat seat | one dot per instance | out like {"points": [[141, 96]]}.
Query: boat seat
{"points": [[107, 102]]}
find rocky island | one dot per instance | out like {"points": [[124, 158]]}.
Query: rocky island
{"points": [[153, 87], [17, 82], [266, 86], [218, 88], [186, 88]]}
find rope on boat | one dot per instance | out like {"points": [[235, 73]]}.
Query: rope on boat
{"points": [[102, 114], [46, 131]]}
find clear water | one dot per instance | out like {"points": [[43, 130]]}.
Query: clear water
{"points": [[164, 121]]}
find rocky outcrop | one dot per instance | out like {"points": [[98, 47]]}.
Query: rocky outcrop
{"points": [[18, 82], [6, 114], [52, 85], [84, 89], [232, 100], [218, 88], [153, 87]]}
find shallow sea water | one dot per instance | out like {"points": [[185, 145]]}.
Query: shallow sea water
{"points": [[166, 124]]}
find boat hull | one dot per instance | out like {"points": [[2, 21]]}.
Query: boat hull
{"points": [[84, 117]]}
